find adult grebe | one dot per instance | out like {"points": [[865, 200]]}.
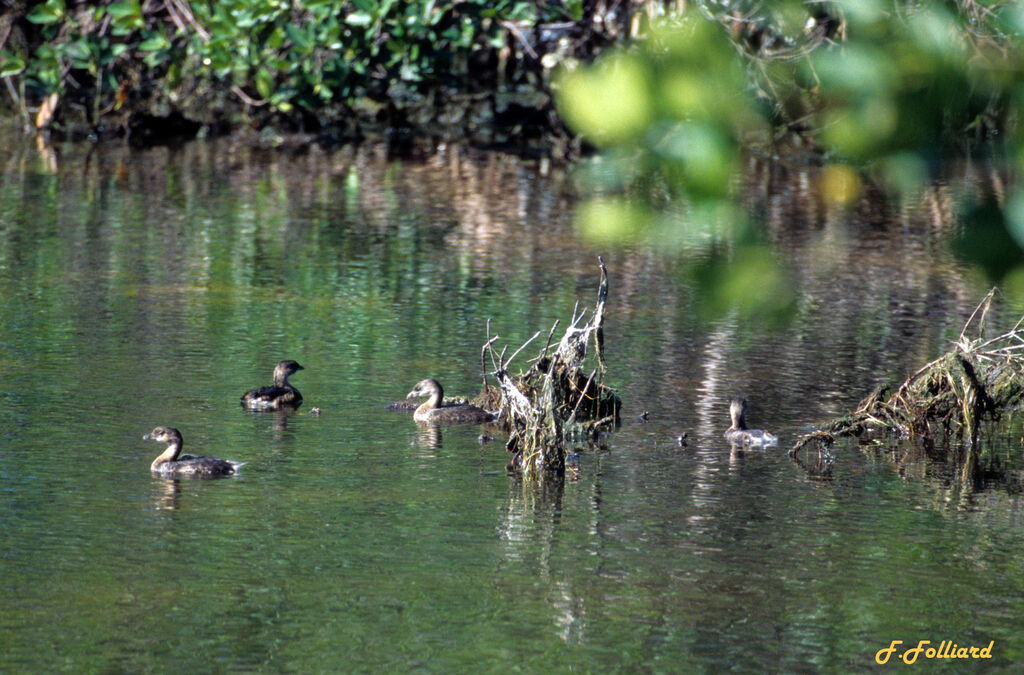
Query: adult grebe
{"points": [[281, 394], [739, 434], [172, 463], [434, 412]]}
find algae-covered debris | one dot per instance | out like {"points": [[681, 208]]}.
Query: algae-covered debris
{"points": [[556, 400], [976, 381]]}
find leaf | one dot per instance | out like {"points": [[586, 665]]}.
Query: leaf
{"points": [[126, 16], [264, 82], [81, 50], [154, 43], [299, 38], [610, 101], [359, 19], [120, 10], [10, 64], [50, 12], [276, 39]]}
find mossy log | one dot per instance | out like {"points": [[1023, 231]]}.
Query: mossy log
{"points": [[976, 381], [556, 401]]}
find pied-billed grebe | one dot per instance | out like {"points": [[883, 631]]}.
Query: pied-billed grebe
{"points": [[739, 434], [434, 412], [281, 394], [172, 463]]}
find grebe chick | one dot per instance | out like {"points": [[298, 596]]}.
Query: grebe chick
{"points": [[434, 411], [739, 434], [172, 463], [279, 395]]}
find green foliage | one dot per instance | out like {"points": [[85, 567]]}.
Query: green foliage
{"points": [[892, 91], [672, 112], [49, 12], [679, 95], [318, 55], [916, 83]]}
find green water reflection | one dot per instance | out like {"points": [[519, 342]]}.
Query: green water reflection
{"points": [[146, 288]]}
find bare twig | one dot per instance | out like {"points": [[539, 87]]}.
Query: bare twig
{"points": [[985, 302], [547, 343], [583, 395], [521, 348], [483, 350], [518, 34]]}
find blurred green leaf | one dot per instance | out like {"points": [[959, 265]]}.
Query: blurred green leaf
{"points": [[124, 9], [612, 221], [264, 82], [705, 153], [749, 283], [10, 64], [154, 43], [857, 69], [50, 11], [609, 102], [299, 38], [990, 241], [1015, 217]]}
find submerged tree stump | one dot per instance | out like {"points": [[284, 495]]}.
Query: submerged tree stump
{"points": [[556, 401]]}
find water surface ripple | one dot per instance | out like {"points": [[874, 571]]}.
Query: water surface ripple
{"points": [[145, 288]]}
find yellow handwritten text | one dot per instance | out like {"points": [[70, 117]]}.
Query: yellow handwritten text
{"points": [[947, 649]]}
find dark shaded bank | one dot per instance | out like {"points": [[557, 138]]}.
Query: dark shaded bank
{"points": [[484, 72], [153, 72]]}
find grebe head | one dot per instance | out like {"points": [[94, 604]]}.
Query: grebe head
{"points": [[428, 387], [168, 435], [284, 369]]}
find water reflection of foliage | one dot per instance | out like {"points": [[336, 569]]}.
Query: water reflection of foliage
{"points": [[359, 247], [991, 485]]}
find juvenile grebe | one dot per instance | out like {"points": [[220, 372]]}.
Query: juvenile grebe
{"points": [[434, 412], [739, 434], [281, 394], [172, 463]]}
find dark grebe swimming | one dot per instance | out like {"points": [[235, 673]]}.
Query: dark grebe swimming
{"points": [[434, 412], [739, 434], [281, 394], [169, 463]]}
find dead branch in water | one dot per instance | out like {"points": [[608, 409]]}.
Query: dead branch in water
{"points": [[555, 400], [974, 382]]}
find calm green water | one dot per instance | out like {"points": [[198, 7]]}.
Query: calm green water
{"points": [[152, 288]]}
